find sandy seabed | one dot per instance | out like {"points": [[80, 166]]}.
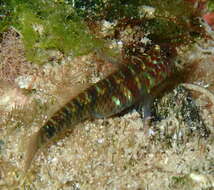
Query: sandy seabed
{"points": [[111, 154]]}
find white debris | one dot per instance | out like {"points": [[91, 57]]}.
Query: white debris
{"points": [[107, 27], [204, 180], [145, 40], [100, 141], [147, 11], [24, 81]]}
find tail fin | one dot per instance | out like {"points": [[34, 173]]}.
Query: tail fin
{"points": [[32, 149]]}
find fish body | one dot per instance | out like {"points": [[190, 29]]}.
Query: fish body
{"points": [[127, 86]]}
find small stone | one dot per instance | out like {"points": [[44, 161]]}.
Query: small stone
{"points": [[100, 141]]}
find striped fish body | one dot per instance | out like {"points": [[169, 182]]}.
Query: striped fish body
{"points": [[130, 84]]}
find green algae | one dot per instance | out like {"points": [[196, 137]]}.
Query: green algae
{"points": [[210, 5], [48, 25]]}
